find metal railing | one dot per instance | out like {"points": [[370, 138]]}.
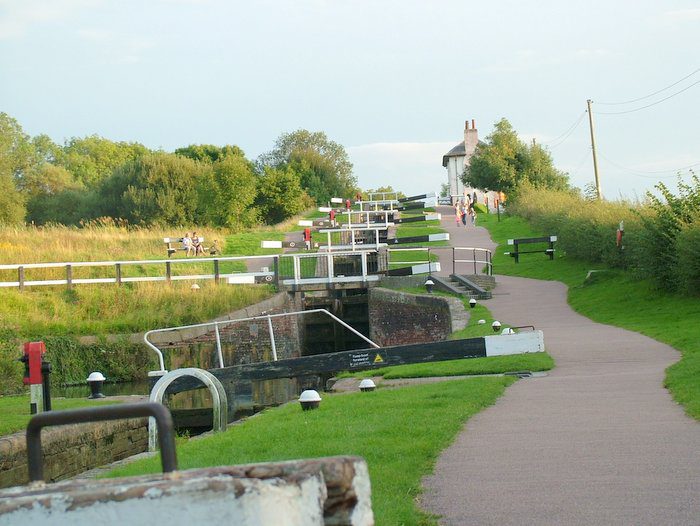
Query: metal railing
{"points": [[481, 257], [330, 267], [119, 268], [217, 324], [479, 264]]}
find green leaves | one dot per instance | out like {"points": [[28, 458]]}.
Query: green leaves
{"points": [[504, 162]]}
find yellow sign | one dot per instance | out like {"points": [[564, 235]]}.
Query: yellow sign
{"points": [[378, 359]]}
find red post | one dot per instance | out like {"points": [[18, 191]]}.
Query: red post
{"points": [[33, 352], [39, 397]]}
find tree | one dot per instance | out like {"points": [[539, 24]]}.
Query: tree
{"points": [[16, 160], [227, 194], [280, 194], [323, 165], [209, 152], [158, 188], [504, 161], [92, 159], [54, 196]]}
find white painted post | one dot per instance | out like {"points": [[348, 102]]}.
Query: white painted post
{"points": [[331, 272], [218, 345], [297, 268], [272, 338]]}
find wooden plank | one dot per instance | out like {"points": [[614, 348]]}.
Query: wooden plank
{"points": [[545, 239], [416, 197], [355, 360]]}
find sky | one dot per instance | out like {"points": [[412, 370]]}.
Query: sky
{"points": [[392, 81]]}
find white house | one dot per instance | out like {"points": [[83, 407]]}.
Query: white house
{"points": [[458, 158]]}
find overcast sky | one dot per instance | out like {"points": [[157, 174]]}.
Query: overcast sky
{"points": [[393, 81]]}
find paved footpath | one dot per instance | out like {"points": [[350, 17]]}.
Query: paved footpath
{"points": [[597, 441]]}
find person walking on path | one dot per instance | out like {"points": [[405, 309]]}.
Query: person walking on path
{"points": [[596, 441]]}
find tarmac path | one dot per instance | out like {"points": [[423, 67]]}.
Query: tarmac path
{"points": [[597, 441]]}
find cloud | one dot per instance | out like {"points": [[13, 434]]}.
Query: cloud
{"points": [[18, 17], [683, 15], [410, 167]]}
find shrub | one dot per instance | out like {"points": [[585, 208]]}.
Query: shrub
{"points": [[670, 215], [11, 370], [585, 229], [688, 247]]}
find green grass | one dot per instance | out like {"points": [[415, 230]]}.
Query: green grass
{"points": [[617, 298], [400, 433], [15, 410], [469, 366], [134, 307]]}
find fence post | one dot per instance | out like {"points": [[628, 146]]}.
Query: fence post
{"points": [[118, 270], [167, 271], [474, 256], [69, 277], [216, 271], [20, 278], [276, 270], [454, 267]]}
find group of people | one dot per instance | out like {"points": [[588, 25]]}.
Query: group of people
{"points": [[192, 245], [465, 210]]}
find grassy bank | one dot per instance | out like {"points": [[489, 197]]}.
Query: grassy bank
{"points": [[616, 298], [15, 410], [400, 432]]}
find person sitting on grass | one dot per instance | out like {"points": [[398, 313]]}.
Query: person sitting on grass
{"points": [[214, 249]]}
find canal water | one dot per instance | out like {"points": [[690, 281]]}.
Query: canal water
{"points": [[192, 409]]}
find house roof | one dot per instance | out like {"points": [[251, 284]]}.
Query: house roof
{"points": [[457, 151]]}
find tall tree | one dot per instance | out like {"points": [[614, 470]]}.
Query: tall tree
{"points": [[280, 194], [91, 159], [16, 160], [504, 161], [158, 188], [209, 152], [227, 194], [323, 165]]}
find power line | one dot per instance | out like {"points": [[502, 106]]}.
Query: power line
{"points": [[568, 130], [580, 163], [651, 94], [640, 173], [564, 136], [648, 105]]}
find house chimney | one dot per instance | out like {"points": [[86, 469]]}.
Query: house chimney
{"points": [[466, 125], [471, 139]]}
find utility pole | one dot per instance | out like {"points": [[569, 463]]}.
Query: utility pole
{"points": [[595, 159]]}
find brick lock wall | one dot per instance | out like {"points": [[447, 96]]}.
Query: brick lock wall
{"points": [[401, 318], [73, 449]]}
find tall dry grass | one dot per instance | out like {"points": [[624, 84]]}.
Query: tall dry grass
{"points": [[585, 229], [96, 242]]}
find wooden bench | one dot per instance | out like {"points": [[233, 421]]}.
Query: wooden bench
{"points": [[527, 240], [170, 240]]}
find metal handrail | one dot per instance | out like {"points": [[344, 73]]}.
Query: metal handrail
{"points": [[163, 418], [487, 261], [216, 325]]}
